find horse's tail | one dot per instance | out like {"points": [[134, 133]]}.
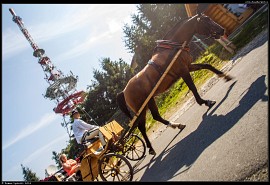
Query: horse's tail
{"points": [[120, 98]]}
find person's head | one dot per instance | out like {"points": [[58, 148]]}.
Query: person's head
{"points": [[63, 158], [75, 114]]}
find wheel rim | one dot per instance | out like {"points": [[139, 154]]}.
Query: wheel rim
{"points": [[134, 148], [115, 167]]}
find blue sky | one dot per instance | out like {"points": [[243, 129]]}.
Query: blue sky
{"points": [[75, 38]]}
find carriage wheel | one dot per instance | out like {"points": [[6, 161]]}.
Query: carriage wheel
{"points": [[134, 148], [115, 167]]}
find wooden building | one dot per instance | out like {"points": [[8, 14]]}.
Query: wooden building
{"points": [[229, 16]]}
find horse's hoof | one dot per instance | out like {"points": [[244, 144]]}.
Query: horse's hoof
{"points": [[181, 127], [152, 152], [228, 78], [173, 125], [210, 103]]}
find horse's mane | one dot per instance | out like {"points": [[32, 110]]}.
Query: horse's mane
{"points": [[175, 27]]}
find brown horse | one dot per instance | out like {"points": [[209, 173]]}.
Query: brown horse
{"points": [[140, 86]]}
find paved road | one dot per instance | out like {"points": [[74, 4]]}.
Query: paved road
{"points": [[227, 142]]}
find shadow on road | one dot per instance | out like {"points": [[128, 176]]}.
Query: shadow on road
{"points": [[183, 154]]}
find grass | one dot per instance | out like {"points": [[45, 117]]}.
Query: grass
{"points": [[251, 30]]}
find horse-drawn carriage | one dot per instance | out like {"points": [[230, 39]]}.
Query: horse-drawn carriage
{"points": [[111, 163], [165, 67]]}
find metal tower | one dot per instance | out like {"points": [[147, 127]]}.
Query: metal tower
{"points": [[62, 89]]}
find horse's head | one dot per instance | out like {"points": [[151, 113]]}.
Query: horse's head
{"points": [[206, 26]]}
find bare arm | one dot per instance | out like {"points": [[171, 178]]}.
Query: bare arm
{"points": [[67, 165]]}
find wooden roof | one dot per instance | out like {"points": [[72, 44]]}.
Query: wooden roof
{"points": [[220, 15]]}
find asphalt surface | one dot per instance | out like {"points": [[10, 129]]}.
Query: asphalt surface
{"points": [[226, 143]]}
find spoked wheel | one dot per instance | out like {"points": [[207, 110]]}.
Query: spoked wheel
{"points": [[115, 167], [134, 148]]}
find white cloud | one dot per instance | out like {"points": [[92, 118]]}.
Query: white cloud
{"points": [[114, 26], [10, 172], [14, 41], [47, 147], [84, 47], [31, 158], [85, 15], [31, 128]]}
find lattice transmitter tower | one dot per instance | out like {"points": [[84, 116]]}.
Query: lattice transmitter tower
{"points": [[62, 88]]}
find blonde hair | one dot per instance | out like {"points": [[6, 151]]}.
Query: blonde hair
{"points": [[60, 158]]}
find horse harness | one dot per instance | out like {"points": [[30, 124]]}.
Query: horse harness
{"points": [[167, 44]]}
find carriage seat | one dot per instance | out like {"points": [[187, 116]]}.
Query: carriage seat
{"points": [[93, 146], [89, 142]]}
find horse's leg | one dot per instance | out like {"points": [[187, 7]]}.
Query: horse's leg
{"points": [[156, 116], [188, 80], [141, 127], [155, 113], [195, 67]]}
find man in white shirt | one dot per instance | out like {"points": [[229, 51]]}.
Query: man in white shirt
{"points": [[83, 131]]}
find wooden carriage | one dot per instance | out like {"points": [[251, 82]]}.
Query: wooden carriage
{"points": [[111, 163], [89, 164]]}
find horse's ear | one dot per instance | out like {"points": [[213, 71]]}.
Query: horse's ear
{"points": [[201, 8], [134, 63]]}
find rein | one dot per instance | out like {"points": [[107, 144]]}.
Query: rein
{"points": [[167, 44]]}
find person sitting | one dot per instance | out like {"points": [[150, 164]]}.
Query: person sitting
{"points": [[69, 165], [84, 131]]}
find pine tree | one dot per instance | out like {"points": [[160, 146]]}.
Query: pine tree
{"points": [[28, 175], [101, 100]]}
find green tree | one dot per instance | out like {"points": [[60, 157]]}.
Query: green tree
{"points": [[101, 100], [73, 149], [55, 157], [151, 23], [28, 175]]}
